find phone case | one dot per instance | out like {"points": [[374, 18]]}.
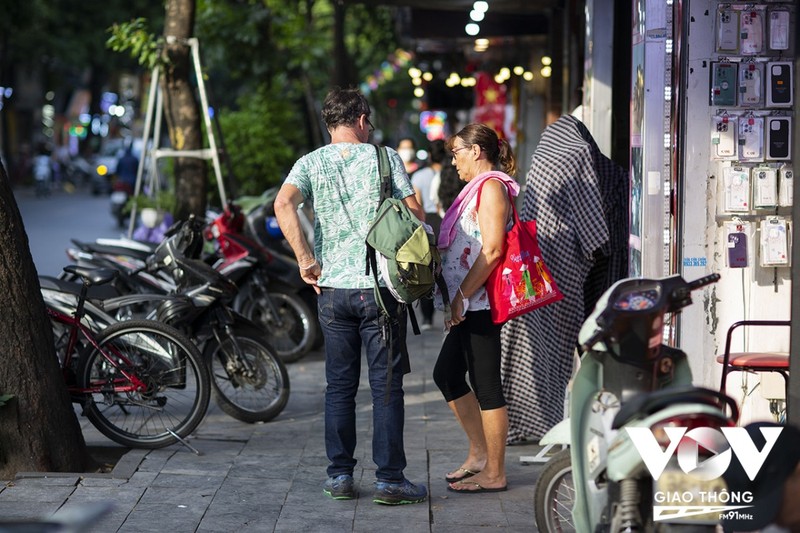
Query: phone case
{"points": [[723, 83], [779, 30], [751, 139], [728, 31], [736, 181], [779, 138], [750, 83], [751, 38], [779, 84], [774, 242], [724, 137], [737, 250], [765, 191], [785, 186]]}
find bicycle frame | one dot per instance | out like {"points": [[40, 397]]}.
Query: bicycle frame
{"points": [[76, 327]]}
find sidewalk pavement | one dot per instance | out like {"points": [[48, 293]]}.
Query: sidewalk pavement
{"points": [[268, 477]]}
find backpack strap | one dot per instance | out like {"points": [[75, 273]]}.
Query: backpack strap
{"points": [[385, 172], [384, 319]]}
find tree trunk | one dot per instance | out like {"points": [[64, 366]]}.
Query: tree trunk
{"points": [[182, 111], [38, 427]]}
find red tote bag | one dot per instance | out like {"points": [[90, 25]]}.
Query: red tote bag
{"points": [[521, 282]]}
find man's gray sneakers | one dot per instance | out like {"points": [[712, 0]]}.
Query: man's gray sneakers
{"points": [[340, 487], [399, 493]]}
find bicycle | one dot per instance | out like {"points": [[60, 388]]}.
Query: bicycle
{"points": [[141, 383]]}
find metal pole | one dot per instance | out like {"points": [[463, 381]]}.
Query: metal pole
{"points": [[201, 86], [793, 401], [148, 119]]}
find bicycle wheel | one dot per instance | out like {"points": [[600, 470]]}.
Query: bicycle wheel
{"points": [[172, 397], [255, 389], [555, 495], [293, 332]]}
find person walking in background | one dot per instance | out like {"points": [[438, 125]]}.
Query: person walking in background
{"points": [[342, 181], [472, 240], [449, 185], [425, 182], [579, 199], [127, 168], [407, 150]]}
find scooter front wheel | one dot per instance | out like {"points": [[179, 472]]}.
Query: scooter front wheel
{"points": [[250, 382], [291, 326], [555, 495]]}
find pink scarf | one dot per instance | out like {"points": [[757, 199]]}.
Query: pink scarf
{"points": [[447, 231]]}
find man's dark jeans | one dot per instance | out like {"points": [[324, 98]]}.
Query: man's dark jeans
{"points": [[349, 319]]}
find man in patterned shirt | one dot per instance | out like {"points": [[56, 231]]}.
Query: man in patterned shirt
{"points": [[343, 182]]}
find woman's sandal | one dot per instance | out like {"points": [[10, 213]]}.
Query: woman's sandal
{"points": [[467, 473]]}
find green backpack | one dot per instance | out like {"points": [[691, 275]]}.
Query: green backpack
{"points": [[400, 248]]}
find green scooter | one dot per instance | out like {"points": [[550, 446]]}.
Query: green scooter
{"points": [[633, 392]]}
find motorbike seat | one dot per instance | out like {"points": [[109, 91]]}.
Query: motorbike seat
{"points": [[93, 247], [648, 403]]}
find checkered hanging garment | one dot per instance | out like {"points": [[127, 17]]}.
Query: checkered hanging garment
{"points": [[579, 199]]}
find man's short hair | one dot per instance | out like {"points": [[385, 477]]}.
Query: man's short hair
{"points": [[343, 107]]}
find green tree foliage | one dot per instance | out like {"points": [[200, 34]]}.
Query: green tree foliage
{"points": [[260, 139], [135, 38], [270, 64]]}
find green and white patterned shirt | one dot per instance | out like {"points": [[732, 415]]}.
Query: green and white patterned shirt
{"points": [[343, 183]]}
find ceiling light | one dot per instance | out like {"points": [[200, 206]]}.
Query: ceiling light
{"points": [[546, 71], [475, 15], [481, 6], [414, 72], [472, 28], [546, 60], [416, 81], [518, 70], [427, 76], [527, 75], [419, 92]]}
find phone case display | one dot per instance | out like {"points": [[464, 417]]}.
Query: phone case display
{"points": [[765, 188], [774, 245], [736, 184], [751, 138], [779, 138], [785, 186], [750, 84], [727, 30], [779, 84], [751, 35], [724, 137], [779, 27], [737, 237], [723, 83]]}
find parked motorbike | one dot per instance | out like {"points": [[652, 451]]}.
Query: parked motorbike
{"points": [[628, 379], [249, 380], [260, 271], [267, 293]]}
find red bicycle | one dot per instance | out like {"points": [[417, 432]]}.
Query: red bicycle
{"points": [[141, 383]]}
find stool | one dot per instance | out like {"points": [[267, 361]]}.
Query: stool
{"points": [[754, 361]]}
